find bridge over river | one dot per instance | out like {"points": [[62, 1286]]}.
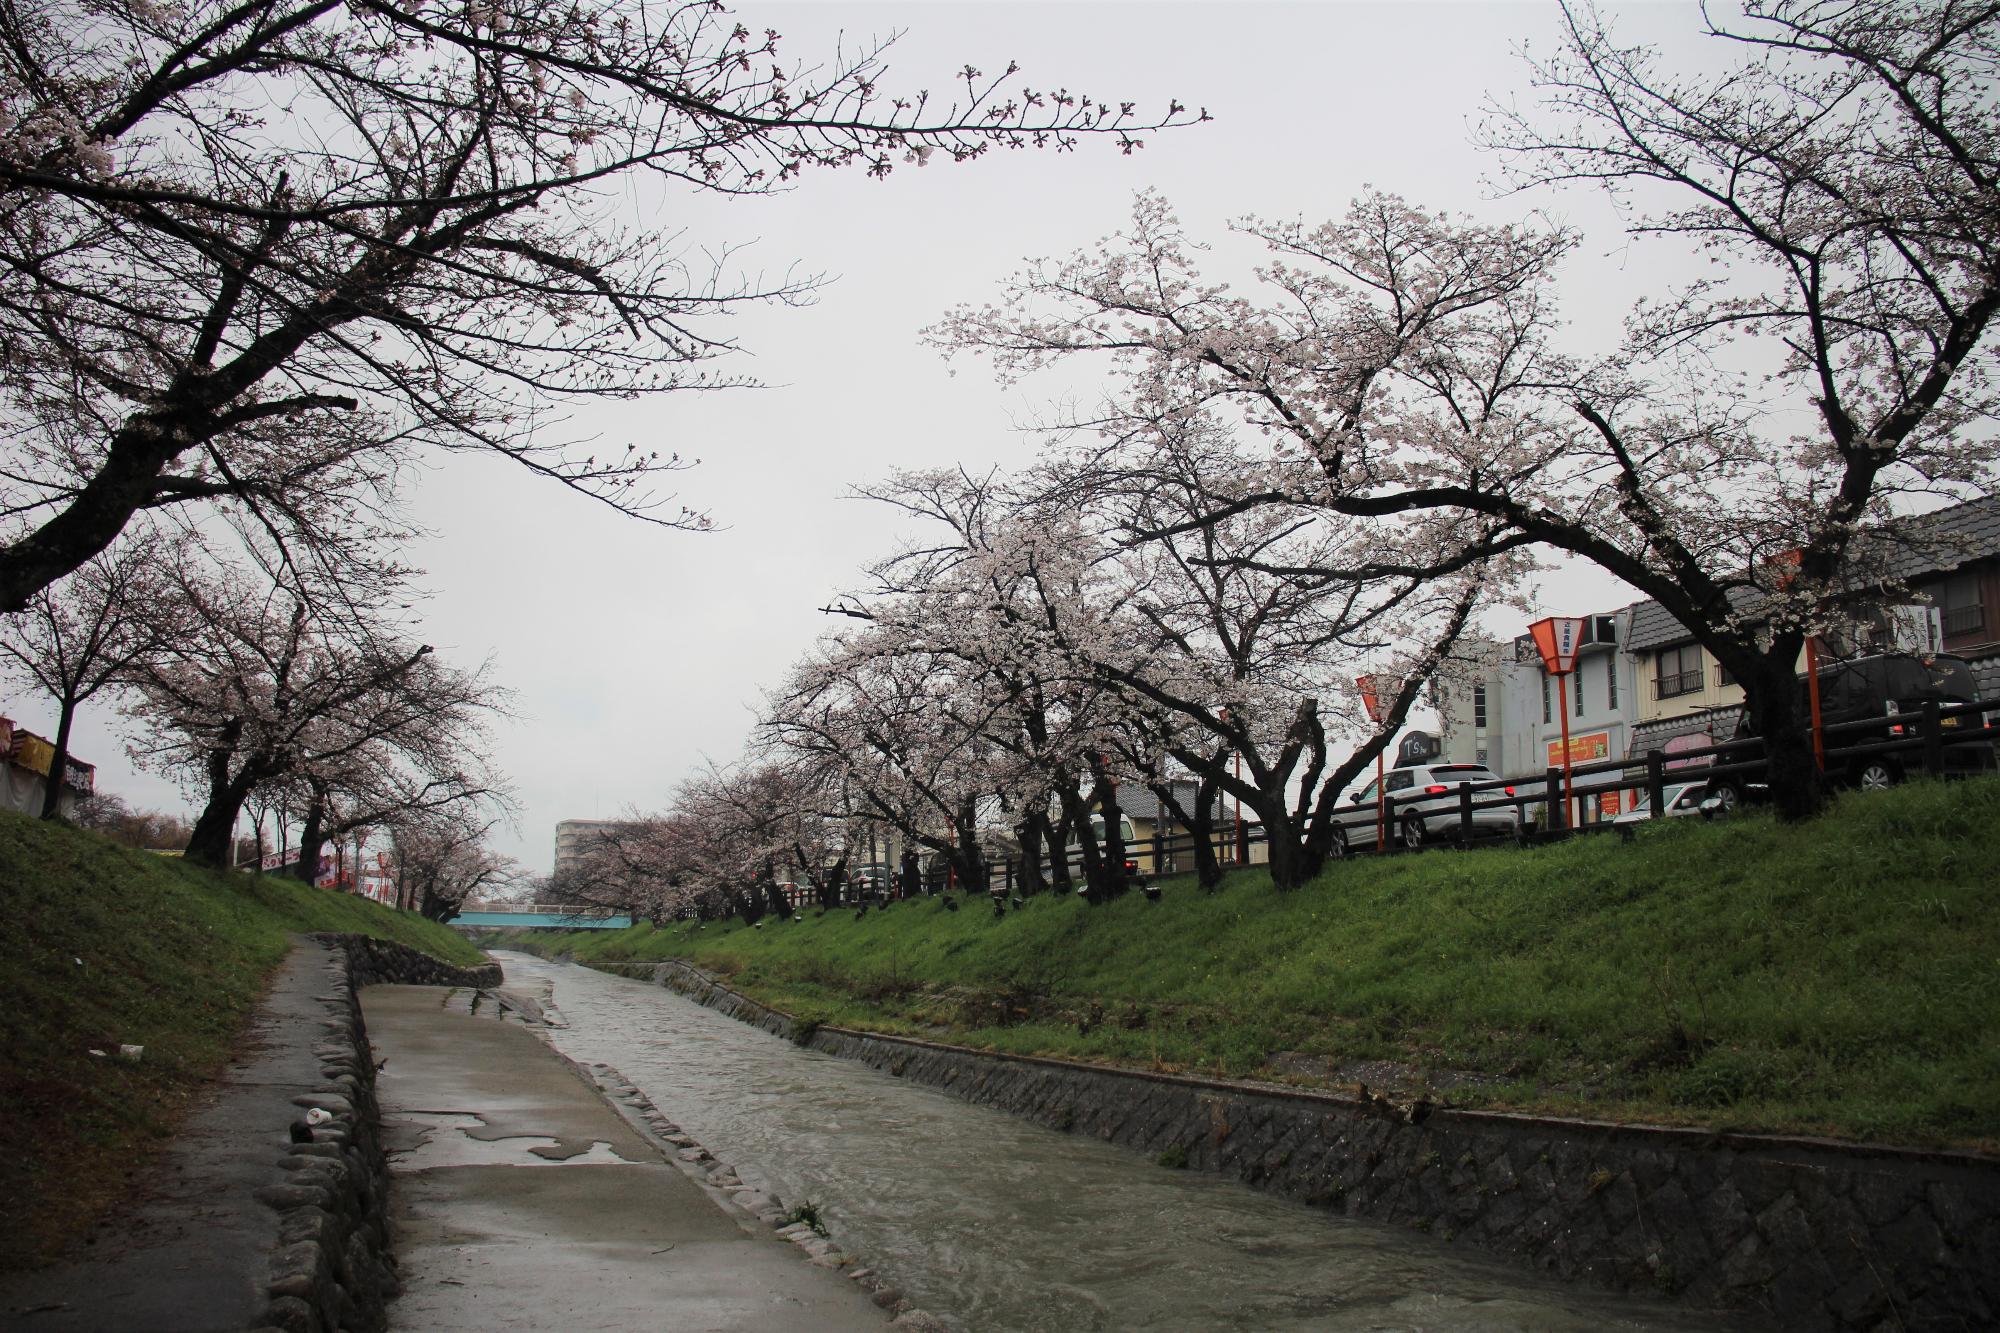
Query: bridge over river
{"points": [[553, 916]]}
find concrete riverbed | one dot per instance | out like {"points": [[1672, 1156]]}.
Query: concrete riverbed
{"points": [[989, 1222], [522, 1200]]}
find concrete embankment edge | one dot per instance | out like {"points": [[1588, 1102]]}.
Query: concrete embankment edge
{"points": [[330, 1263], [1808, 1233]]}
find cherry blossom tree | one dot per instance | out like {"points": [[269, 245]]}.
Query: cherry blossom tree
{"points": [[248, 246], [85, 635], [996, 598], [1840, 175], [1246, 632], [1117, 630], [904, 729], [436, 763], [258, 687], [442, 860]]}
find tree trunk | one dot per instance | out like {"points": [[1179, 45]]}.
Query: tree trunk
{"points": [[1778, 715], [435, 906], [1032, 833], [209, 842], [312, 837], [1200, 825], [1057, 832], [59, 762], [1103, 865], [1291, 861]]}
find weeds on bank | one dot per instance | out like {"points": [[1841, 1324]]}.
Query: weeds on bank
{"points": [[1835, 977], [110, 947]]}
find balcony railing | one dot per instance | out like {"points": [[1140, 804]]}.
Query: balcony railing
{"points": [[1681, 682], [1964, 619]]}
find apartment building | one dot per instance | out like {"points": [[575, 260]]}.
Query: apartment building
{"points": [[574, 838]]}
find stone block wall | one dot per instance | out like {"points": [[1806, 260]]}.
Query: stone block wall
{"points": [[331, 1266], [1809, 1234], [371, 961]]}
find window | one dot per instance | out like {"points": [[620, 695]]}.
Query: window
{"points": [[1399, 781], [1958, 605], [1479, 708], [1677, 671], [1577, 689], [1611, 683], [1548, 711]]}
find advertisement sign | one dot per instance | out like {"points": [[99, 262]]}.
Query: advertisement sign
{"points": [[1583, 749], [1696, 740], [33, 753], [1557, 639], [1612, 803]]}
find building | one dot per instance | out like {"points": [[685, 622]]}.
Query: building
{"points": [[574, 838], [1959, 572], [1151, 818], [1643, 683], [1514, 716], [25, 760]]}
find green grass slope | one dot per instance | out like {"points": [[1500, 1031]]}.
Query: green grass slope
{"points": [[101, 945], [1839, 977]]}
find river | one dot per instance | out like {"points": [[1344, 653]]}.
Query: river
{"points": [[992, 1223]]}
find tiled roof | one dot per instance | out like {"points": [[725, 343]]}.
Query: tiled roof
{"points": [[1941, 541], [1933, 543], [1653, 627], [1136, 802]]}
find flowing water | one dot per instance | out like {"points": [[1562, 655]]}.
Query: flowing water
{"points": [[993, 1223]]}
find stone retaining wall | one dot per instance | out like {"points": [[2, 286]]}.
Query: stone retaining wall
{"points": [[1810, 1234], [331, 1266], [371, 961]]}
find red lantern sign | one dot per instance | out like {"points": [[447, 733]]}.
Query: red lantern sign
{"points": [[1371, 697], [1557, 638]]}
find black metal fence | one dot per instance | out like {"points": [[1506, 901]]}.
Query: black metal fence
{"points": [[1943, 738]]}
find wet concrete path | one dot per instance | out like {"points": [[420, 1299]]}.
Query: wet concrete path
{"points": [[523, 1201]]}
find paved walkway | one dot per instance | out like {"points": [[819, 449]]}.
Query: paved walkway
{"points": [[192, 1254], [522, 1200]]}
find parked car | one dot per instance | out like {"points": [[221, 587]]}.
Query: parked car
{"points": [[1894, 687], [1073, 851], [1679, 798], [1425, 807]]}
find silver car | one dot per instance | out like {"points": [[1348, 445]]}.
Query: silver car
{"points": [[1423, 807], [1681, 798]]}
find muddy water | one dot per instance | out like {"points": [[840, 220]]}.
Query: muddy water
{"points": [[992, 1223]]}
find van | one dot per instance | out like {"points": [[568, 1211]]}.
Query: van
{"points": [[1894, 687]]}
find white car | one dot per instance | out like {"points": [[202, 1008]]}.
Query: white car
{"points": [[1680, 798], [1424, 807]]}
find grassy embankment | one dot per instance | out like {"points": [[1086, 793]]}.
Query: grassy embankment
{"points": [[102, 945], [1840, 977]]}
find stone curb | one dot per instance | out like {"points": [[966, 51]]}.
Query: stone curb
{"points": [[331, 1267], [1808, 1233]]}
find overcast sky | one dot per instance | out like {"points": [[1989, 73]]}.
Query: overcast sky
{"points": [[637, 652]]}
